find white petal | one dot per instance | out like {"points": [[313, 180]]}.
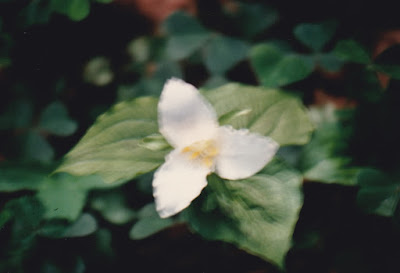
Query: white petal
{"points": [[177, 182], [242, 153], [184, 116]]}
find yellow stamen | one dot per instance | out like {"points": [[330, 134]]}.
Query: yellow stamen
{"points": [[205, 151]]}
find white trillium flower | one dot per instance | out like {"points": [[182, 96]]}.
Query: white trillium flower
{"points": [[189, 123]]}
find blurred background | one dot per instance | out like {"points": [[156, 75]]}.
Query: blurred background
{"points": [[64, 62]]}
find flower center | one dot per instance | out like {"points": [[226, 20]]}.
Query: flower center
{"points": [[204, 151]]}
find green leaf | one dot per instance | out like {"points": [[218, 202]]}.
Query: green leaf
{"points": [[149, 223], [85, 225], [186, 35], [330, 62], [26, 213], [54, 119], [104, 1], [265, 111], [323, 159], [253, 18], [17, 116], [257, 214], [315, 36], [64, 196], [275, 68], [18, 177], [180, 47], [113, 207], [181, 23], [37, 148], [116, 146], [351, 51], [379, 192], [222, 53], [75, 9]]}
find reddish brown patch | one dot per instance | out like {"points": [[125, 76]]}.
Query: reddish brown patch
{"points": [[158, 10], [321, 98], [385, 40]]}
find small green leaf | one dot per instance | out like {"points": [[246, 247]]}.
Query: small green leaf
{"points": [[257, 214], [64, 196], [54, 119], [330, 62], [186, 35], [113, 207], [253, 18], [78, 9], [180, 47], [315, 36], [181, 23], [222, 53], [351, 51], [275, 68], [379, 192], [85, 225], [149, 223], [37, 148], [75, 9], [18, 177]]}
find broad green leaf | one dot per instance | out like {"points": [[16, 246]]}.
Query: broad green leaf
{"points": [[253, 18], [54, 119], [351, 51], [322, 159], [222, 53], [186, 35], [64, 196], [265, 111], [120, 145], [257, 214], [275, 68], [104, 1], [124, 142], [18, 177], [379, 192], [149, 223], [315, 36], [113, 207], [117, 145]]}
